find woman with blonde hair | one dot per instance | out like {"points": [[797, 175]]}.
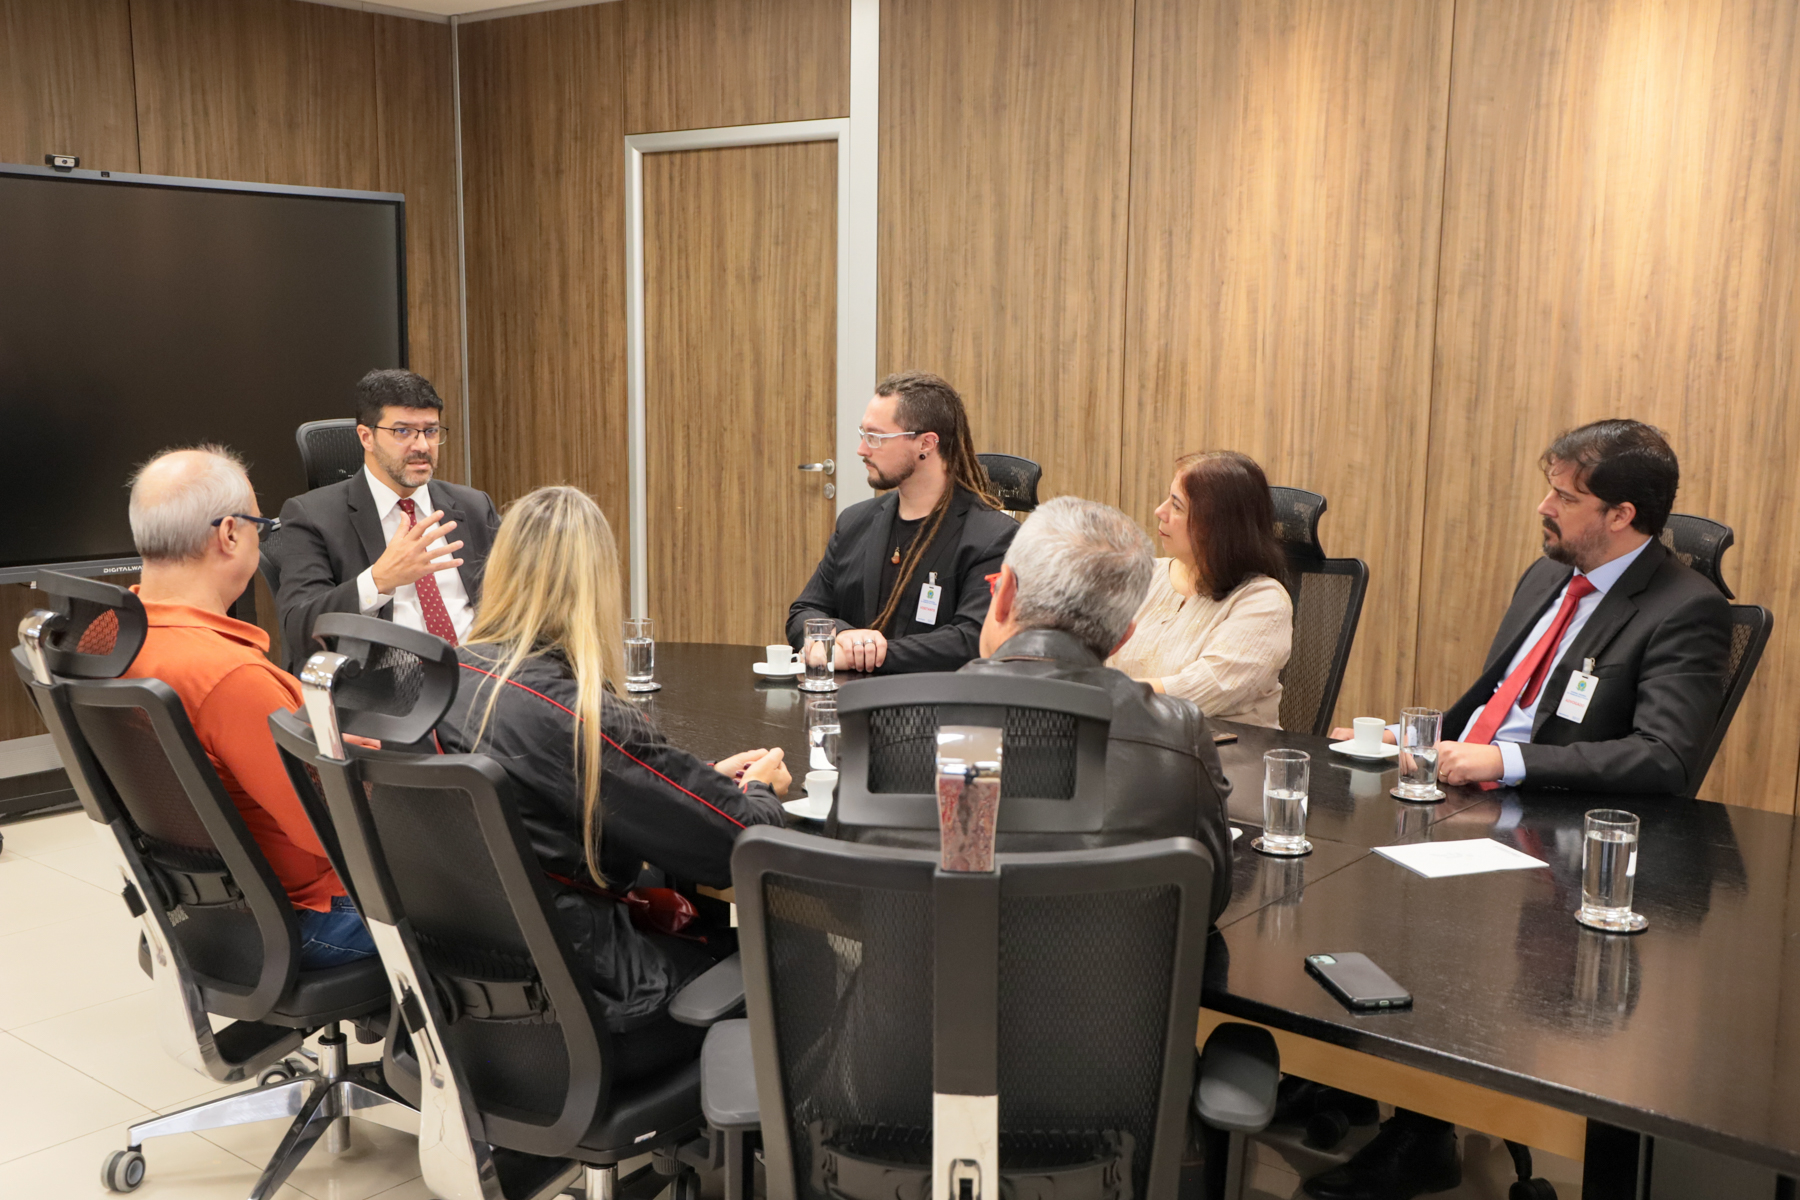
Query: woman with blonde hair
{"points": [[601, 792], [1217, 626]]}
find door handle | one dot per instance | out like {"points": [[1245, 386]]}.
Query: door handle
{"points": [[829, 467]]}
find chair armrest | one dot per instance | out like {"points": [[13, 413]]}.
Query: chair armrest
{"points": [[1239, 1070], [728, 1078], [713, 996]]}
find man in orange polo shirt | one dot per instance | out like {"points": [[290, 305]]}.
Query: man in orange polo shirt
{"points": [[196, 524]]}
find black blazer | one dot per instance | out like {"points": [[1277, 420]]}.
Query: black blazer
{"points": [[847, 584], [1659, 641], [332, 534]]}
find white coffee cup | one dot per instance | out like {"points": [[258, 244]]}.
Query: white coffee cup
{"points": [[779, 655], [1368, 733], [819, 784]]}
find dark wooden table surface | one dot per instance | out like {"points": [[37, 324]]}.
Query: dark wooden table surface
{"points": [[1690, 1030]]}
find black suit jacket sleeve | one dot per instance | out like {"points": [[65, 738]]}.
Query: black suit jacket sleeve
{"points": [[309, 583], [845, 586], [1679, 690]]}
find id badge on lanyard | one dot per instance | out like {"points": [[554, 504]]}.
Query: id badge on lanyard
{"points": [[928, 602]]}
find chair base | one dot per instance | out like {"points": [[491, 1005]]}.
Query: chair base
{"points": [[318, 1103]]}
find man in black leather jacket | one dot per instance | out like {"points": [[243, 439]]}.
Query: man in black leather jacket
{"points": [[1063, 601]]}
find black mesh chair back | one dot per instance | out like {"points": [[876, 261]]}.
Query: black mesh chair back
{"points": [[1297, 513], [330, 451], [1328, 598], [1751, 625], [1053, 749], [1099, 957], [1015, 480], [509, 1037], [1701, 544]]}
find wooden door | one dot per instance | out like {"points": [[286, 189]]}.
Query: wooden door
{"points": [[740, 371]]}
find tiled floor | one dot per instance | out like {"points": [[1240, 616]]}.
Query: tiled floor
{"points": [[79, 1062]]}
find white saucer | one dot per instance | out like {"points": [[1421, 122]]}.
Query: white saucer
{"points": [[1352, 750], [787, 672], [807, 808]]}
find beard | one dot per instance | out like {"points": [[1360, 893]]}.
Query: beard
{"points": [[884, 482], [397, 466], [1571, 554]]}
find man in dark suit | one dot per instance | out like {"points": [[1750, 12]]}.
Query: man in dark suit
{"points": [[1607, 675], [904, 578], [376, 542]]}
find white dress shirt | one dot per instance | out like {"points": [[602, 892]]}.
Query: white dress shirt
{"points": [[1516, 727], [406, 597]]}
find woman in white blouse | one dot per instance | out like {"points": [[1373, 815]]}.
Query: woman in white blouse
{"points": [[1217, 625]]}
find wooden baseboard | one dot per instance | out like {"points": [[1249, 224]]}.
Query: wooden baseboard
{"points": [[1536, 1125]]}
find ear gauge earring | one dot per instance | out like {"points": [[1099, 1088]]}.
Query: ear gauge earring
{"points": [[921, 458]]}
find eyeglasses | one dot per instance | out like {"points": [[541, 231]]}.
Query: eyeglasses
{"points": [[433, 434], [267, 526], [874, 440]]}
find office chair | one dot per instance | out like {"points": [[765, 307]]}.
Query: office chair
{"points": [[1701, 544], [1054, 744], [330, 451], [1057, 995], [219, 935], [1328, 598], [511, 1058], [1015, 480]]}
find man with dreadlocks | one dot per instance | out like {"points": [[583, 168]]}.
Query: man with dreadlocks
{"points": [[905, 575]]}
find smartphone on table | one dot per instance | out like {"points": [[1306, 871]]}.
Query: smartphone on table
{"points": [[1358, 983]]}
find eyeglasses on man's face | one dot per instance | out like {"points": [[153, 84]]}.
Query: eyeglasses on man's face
{"points": [[266, 526], [404, 434], [875, 441]]}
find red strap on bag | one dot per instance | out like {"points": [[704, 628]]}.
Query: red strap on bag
{"points": [[653, 910]]}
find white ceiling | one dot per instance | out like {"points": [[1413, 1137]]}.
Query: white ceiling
{"points": [[440, 10]]}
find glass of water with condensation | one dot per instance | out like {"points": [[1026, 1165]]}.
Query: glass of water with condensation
{"points": [[1609, 855], [640, 655], [1420, 729], [1286, 774]]}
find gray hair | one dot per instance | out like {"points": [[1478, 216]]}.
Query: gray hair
{"points": [[171, 518], [1084, 568]]}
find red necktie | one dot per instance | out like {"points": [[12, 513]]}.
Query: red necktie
{"points": [[431, 601], [1521, 687]]}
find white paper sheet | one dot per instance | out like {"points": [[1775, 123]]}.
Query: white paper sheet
{"points": [[1435, 860]]}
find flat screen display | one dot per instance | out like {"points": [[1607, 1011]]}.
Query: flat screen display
{"points": [[141, 313]]}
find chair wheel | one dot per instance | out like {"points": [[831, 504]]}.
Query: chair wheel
{"points": [[1531, 1189], [687, 1186], [279, 1073], [1326, 1128], [123, 1170]]}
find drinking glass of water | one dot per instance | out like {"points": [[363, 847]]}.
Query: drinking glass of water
{"points": [[1285, 777], [640, 655], [818, 648], [1419, 731], [822, 731], [1609, 848]]}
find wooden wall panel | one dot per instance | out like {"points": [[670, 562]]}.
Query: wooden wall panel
{"points": [[740, 358], [1005, 134], [248, 89], [696, 64], [1621, 238], [544, 208], [1286, 166], [65, 82], [416, 135]]}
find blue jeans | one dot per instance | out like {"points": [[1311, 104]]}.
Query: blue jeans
{"points": [[331, 939]]}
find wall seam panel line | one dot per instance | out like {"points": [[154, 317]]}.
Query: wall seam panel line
{"points": [[462, 243], [137, 116], [1431, 394], [1118, 497]]}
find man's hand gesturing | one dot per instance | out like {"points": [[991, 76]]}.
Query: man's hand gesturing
{"points": [[410, 556]]}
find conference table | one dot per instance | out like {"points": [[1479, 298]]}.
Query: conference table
{"points": [[1689, 1031]]}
